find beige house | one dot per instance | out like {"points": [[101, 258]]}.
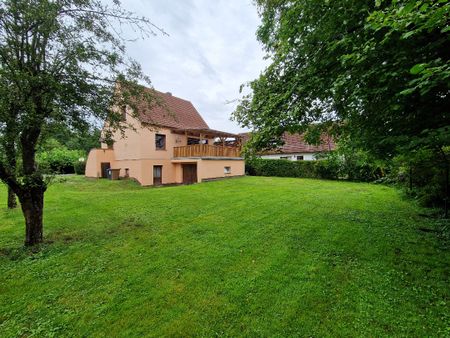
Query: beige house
{"points": [[170, 145]]}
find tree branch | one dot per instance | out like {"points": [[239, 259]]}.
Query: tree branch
{"points": [[10, 179]]}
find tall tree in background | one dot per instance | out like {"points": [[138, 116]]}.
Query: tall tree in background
{"points": [[378, 68], [61, 62]]}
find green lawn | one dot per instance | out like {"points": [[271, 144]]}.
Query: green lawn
{"points": [[244, 257]]}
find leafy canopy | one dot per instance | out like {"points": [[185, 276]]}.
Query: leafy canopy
{"points": [[376, 72]]}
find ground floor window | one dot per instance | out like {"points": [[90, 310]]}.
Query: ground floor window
{"points": [[157, 174], [227, 170], [300, 158]]}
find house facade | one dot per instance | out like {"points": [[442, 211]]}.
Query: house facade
{"points": [[295, 148], [168, 145]]}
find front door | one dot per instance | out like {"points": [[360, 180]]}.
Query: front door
{"points": [[157, 174], [105, 166], [189, 173]]}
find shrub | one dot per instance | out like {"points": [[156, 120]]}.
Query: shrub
{"points": [[423, 176], [286, 168], [59, 160], [328, 169], [331, 167], [80, 167]]}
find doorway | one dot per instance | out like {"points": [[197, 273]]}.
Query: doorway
{"points": [[105, 166], [157, 175], [189, 173]]}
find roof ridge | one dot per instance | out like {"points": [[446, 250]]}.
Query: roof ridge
{"points": [[169, 94]]}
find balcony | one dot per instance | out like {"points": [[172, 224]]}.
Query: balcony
{"points": [[206, 150]]}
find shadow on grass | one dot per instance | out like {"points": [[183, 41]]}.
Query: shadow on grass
{"points": [[23, 252], [61, 239]]}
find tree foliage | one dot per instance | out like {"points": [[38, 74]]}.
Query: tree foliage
{"points": [[56, 158], [380, 68]]}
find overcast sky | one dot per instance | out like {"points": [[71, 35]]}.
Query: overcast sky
{"points": [[210, 51]]}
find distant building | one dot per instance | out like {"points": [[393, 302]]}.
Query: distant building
{"points": [[295, 148]]}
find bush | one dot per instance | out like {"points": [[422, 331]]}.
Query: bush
{"points": [[332, 167], [59, 160], [286, 168], [80, 167], [328, 169], [423, 176]]}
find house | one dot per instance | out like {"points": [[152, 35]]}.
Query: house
{"points": [[295, 148], [168, 144]]}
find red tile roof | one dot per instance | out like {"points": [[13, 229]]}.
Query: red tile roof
{"points": [[174, 112], [295, 143]]}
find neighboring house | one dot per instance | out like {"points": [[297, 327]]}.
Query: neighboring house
{"points": [[295, 148], [169, 145]]}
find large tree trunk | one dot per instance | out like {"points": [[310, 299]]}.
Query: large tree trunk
{"points": [[32, 202], [12, 201], [31, 194]]}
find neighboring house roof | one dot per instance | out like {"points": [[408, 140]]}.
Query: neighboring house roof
{"points": [[173, 112], [295, 143]]}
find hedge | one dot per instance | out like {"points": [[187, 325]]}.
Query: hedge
{"points": [[324, 169]]}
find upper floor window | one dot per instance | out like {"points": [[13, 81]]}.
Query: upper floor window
{"points": [[160, 142], [192, 140]]}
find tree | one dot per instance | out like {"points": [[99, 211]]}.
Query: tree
{"points": [[63, 62], [376, 72], [84, 138]]}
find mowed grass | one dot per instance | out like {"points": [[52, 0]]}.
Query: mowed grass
{"points": [[244, 257]]}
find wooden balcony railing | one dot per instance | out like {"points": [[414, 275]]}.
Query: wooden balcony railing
{"points": [[206, 150]]}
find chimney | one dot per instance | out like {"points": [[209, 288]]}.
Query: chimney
{"points": [[169, 93]]}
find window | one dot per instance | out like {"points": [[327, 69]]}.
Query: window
{"points": [[191, 141], [227, 170], [157, 174], [160, 142], [284, 157], [127, 172], [300, 158]]}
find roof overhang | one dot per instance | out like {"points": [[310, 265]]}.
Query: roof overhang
{"points": [[206, 133]]}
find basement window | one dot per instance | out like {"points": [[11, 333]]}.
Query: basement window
{"points": [[227, 170]]}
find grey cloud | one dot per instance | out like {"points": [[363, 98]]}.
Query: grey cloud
{"points": [[211, 51]]}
